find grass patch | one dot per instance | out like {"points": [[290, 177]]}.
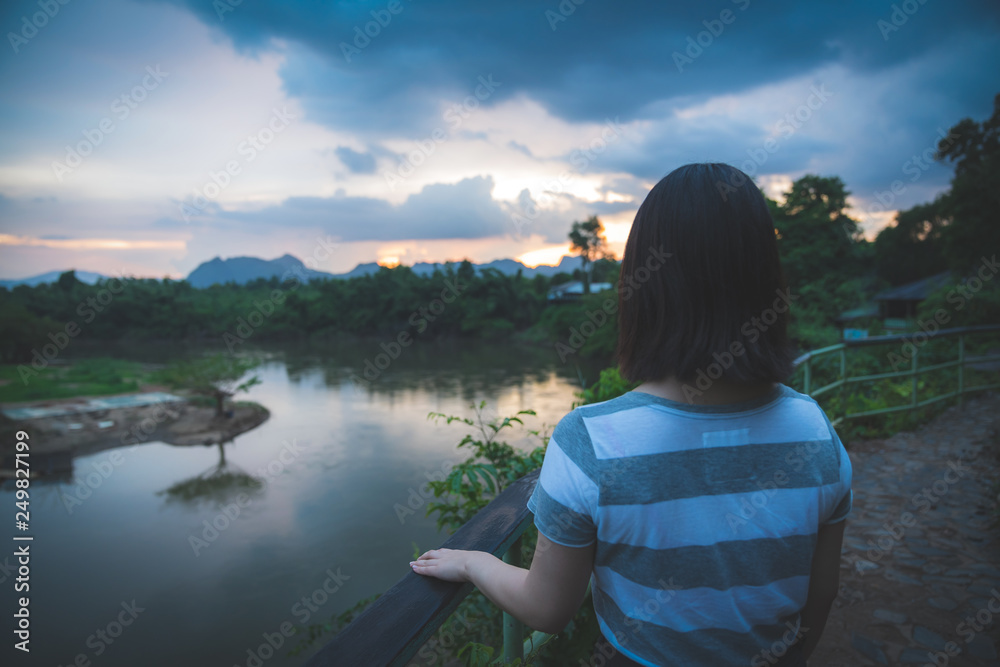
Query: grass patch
{"points": [[88, 377]]}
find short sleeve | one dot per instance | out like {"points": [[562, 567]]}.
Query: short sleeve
{"points": [[844, 493], [564, 501]]}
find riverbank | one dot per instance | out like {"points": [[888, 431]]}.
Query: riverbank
{"points": [[73, 427]]}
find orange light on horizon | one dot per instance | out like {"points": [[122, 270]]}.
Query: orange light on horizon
{"points": [[90, 244], [389, 261], [549, 256]]}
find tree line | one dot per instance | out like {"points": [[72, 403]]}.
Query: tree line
{"points": [[827, 262]]}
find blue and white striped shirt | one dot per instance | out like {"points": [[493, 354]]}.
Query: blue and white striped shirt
{"points": [[705, 519]]}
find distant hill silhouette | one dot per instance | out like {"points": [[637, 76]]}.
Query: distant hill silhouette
{"points": [[241, 270], [88, 277]]}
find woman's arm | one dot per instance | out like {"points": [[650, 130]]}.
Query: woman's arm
{"points": [[824, 584], [543, 598]]}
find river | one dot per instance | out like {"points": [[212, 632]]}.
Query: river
{"points": [[123, 573]]}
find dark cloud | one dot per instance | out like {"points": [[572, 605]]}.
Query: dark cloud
{"points": [[636, 60], [605, 59], [464, 210]]}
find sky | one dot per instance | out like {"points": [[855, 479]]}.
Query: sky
{"points": [[145, 137]]}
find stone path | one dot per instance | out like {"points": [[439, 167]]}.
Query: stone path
{"points": [[920, 571]]}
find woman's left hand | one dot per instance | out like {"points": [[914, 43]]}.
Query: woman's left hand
{"points": [[446, 564]]}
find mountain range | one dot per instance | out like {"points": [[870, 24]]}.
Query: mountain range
{"points": [[241, 270], [88, 277]]}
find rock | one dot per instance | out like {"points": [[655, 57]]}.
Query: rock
{"points": [[957, 581], [980, 589], [954, 544], [982, 647], [930, 552], [914, 656], [893, 617], [962, 572], [946, 604], [897, 576], [868, 648], [863, 566], [922, 635]]}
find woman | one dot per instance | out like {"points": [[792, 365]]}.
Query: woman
{"points": [[707, 504]]}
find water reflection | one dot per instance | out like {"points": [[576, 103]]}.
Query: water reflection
{"points": [[215, 485], [349, 453]]}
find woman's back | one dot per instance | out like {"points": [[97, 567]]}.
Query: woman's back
{"points": [[705, 519], [712, 533]]}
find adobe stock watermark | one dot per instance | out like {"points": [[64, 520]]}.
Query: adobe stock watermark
{"points": [[697, 44], [121, 108], [752, 330], [302, 610], [88, 309], [914, 167], [969, 627], [900, 14], [626, 288], [86, 485], [795, 460], [787, 126], [223, 7], [773, 654], [922, 502], [30, 27], [566, 9], [581, 158], [248, 150], [142, 430], [454, 115], [104, 637], [247, 324], [229, 512], [381, 18], [442, 645], [418, 319], [417, 498], [958, 296], [635, 618]]}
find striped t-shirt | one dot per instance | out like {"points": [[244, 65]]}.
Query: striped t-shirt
{"points": [[705, 519]]}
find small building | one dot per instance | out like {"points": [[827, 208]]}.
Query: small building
{"points": [[897, 306], [572, 291]]}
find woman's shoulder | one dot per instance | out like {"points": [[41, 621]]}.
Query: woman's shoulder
{"points": [[573, 423]]}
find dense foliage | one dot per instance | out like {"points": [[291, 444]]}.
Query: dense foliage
{"points": [[958, 228], [457, 301], [829, 266]]}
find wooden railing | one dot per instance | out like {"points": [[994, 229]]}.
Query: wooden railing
{"points": [[399, 622], [961, 361], [405, 617]]}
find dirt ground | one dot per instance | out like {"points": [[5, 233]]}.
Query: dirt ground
{"points": [[920, 571]]}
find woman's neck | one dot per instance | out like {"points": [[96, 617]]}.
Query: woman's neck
{"points": [[720, 392]]}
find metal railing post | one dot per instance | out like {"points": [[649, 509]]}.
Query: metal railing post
{"points": [[808, 376], [843, 379], [961, 368], [513, 631], [916, 378]]}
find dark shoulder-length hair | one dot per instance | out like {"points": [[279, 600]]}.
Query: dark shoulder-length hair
{"points": [[701, 290]]}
